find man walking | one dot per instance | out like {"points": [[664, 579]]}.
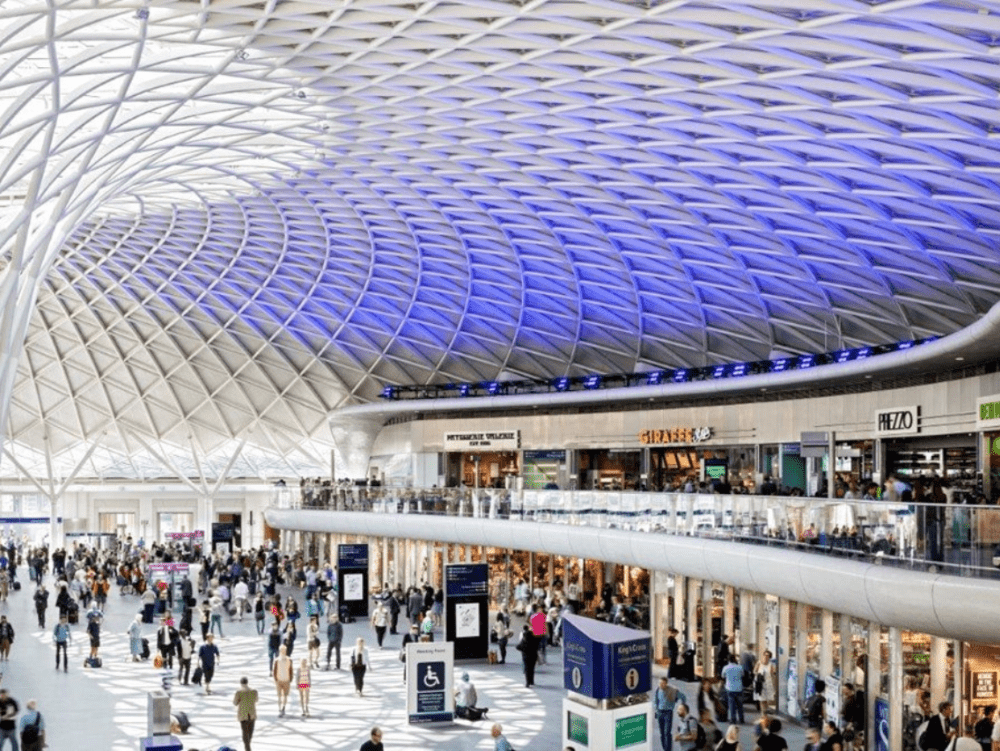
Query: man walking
{"points": [[665, 699], [6, 638], [8, 720], [208, 658], [245, 702], [32, 728], [61, 637], [334, 638], [41, 604], [732, 676]]}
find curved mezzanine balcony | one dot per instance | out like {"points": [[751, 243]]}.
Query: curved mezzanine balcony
{"points": [[926, 567]]}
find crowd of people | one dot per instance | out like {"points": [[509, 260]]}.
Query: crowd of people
{"points": [[180, 619]]}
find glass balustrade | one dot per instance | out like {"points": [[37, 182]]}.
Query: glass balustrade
{"points": [[951, 539]]}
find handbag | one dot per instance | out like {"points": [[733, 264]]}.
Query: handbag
{"points": [[758, 684], [197, 676]]}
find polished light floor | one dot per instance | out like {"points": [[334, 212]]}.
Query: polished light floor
{"points": [[106, 708]]}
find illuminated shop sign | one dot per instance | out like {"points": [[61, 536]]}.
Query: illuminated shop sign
{"points": [[675, 435], [501, 440], [988, 412]]}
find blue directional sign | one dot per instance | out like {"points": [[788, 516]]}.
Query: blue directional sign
{"points": [[466, 579], [604, 661], [352, 556]]}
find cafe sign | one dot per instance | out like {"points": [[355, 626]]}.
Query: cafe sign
{"points": [[674, 435], [500, 440], [988, 413]]}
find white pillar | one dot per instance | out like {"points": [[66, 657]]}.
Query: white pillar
{"points": [[728, 616], [826, 645], [873, 678], [939, 671], [801, 646], [748, 621], [708, 657], [847, 652], [784, 647], [680, 587], [895, 689], [691, 619]]}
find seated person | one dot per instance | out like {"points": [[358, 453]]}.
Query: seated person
{"points": [[179, 723], [465, 700]]}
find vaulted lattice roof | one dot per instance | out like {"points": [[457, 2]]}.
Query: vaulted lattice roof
{"points": [[238, 216]]}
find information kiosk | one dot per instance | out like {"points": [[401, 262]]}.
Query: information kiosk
{"points": [[607, 671], [352, 580], [467, 609]]}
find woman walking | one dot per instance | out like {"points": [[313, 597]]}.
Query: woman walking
{"points": [[312, 635], [135, 638], [303, 679], [380, 621], [763, 682], [359, 665]]}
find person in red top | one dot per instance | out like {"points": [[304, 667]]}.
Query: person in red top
{"points": [[539, 630]]}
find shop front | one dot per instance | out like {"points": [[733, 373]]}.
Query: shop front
{"points": [[545, 469], [911, 454], [980, 672], [988, 423], [608, 469], [679, 458], [482, 459]]}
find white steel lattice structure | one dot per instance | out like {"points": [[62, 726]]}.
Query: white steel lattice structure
{"points": [[221, 220]]}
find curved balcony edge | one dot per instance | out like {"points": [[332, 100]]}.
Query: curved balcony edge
{"points": [[943, 605]]}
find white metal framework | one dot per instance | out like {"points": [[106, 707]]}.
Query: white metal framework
{"points": [[221, 220]]}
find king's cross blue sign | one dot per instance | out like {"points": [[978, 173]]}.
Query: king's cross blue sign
{"points": [[604, 661]]}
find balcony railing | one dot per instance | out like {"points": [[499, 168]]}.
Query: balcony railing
{"points": [[948, 538]]}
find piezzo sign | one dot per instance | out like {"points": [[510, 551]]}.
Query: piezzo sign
{"points": [[898, 421], [500, 440]]}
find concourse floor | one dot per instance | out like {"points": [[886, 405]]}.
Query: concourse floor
{"points": [[106, 708]]}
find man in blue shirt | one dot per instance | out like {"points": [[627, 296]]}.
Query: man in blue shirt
{"points": [[34, 724], [62, 637], [687, 738], [732, 676], [208, 656], [665, 698]]}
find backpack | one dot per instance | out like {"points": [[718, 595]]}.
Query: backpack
{"points": [[701, 740], [31, 732]]}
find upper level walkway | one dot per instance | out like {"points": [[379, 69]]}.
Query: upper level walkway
{"points": [[916, 566], [955, 539]]}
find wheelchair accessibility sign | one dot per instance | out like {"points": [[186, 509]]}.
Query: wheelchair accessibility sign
{"points": [[431, 676], [430, 689]]}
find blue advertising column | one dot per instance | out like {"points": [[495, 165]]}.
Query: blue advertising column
{"points": [[609, 664], [466, 604], [352, 580]]}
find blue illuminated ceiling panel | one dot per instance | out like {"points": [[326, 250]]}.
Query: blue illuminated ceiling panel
{"points": [[475, 190]]}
